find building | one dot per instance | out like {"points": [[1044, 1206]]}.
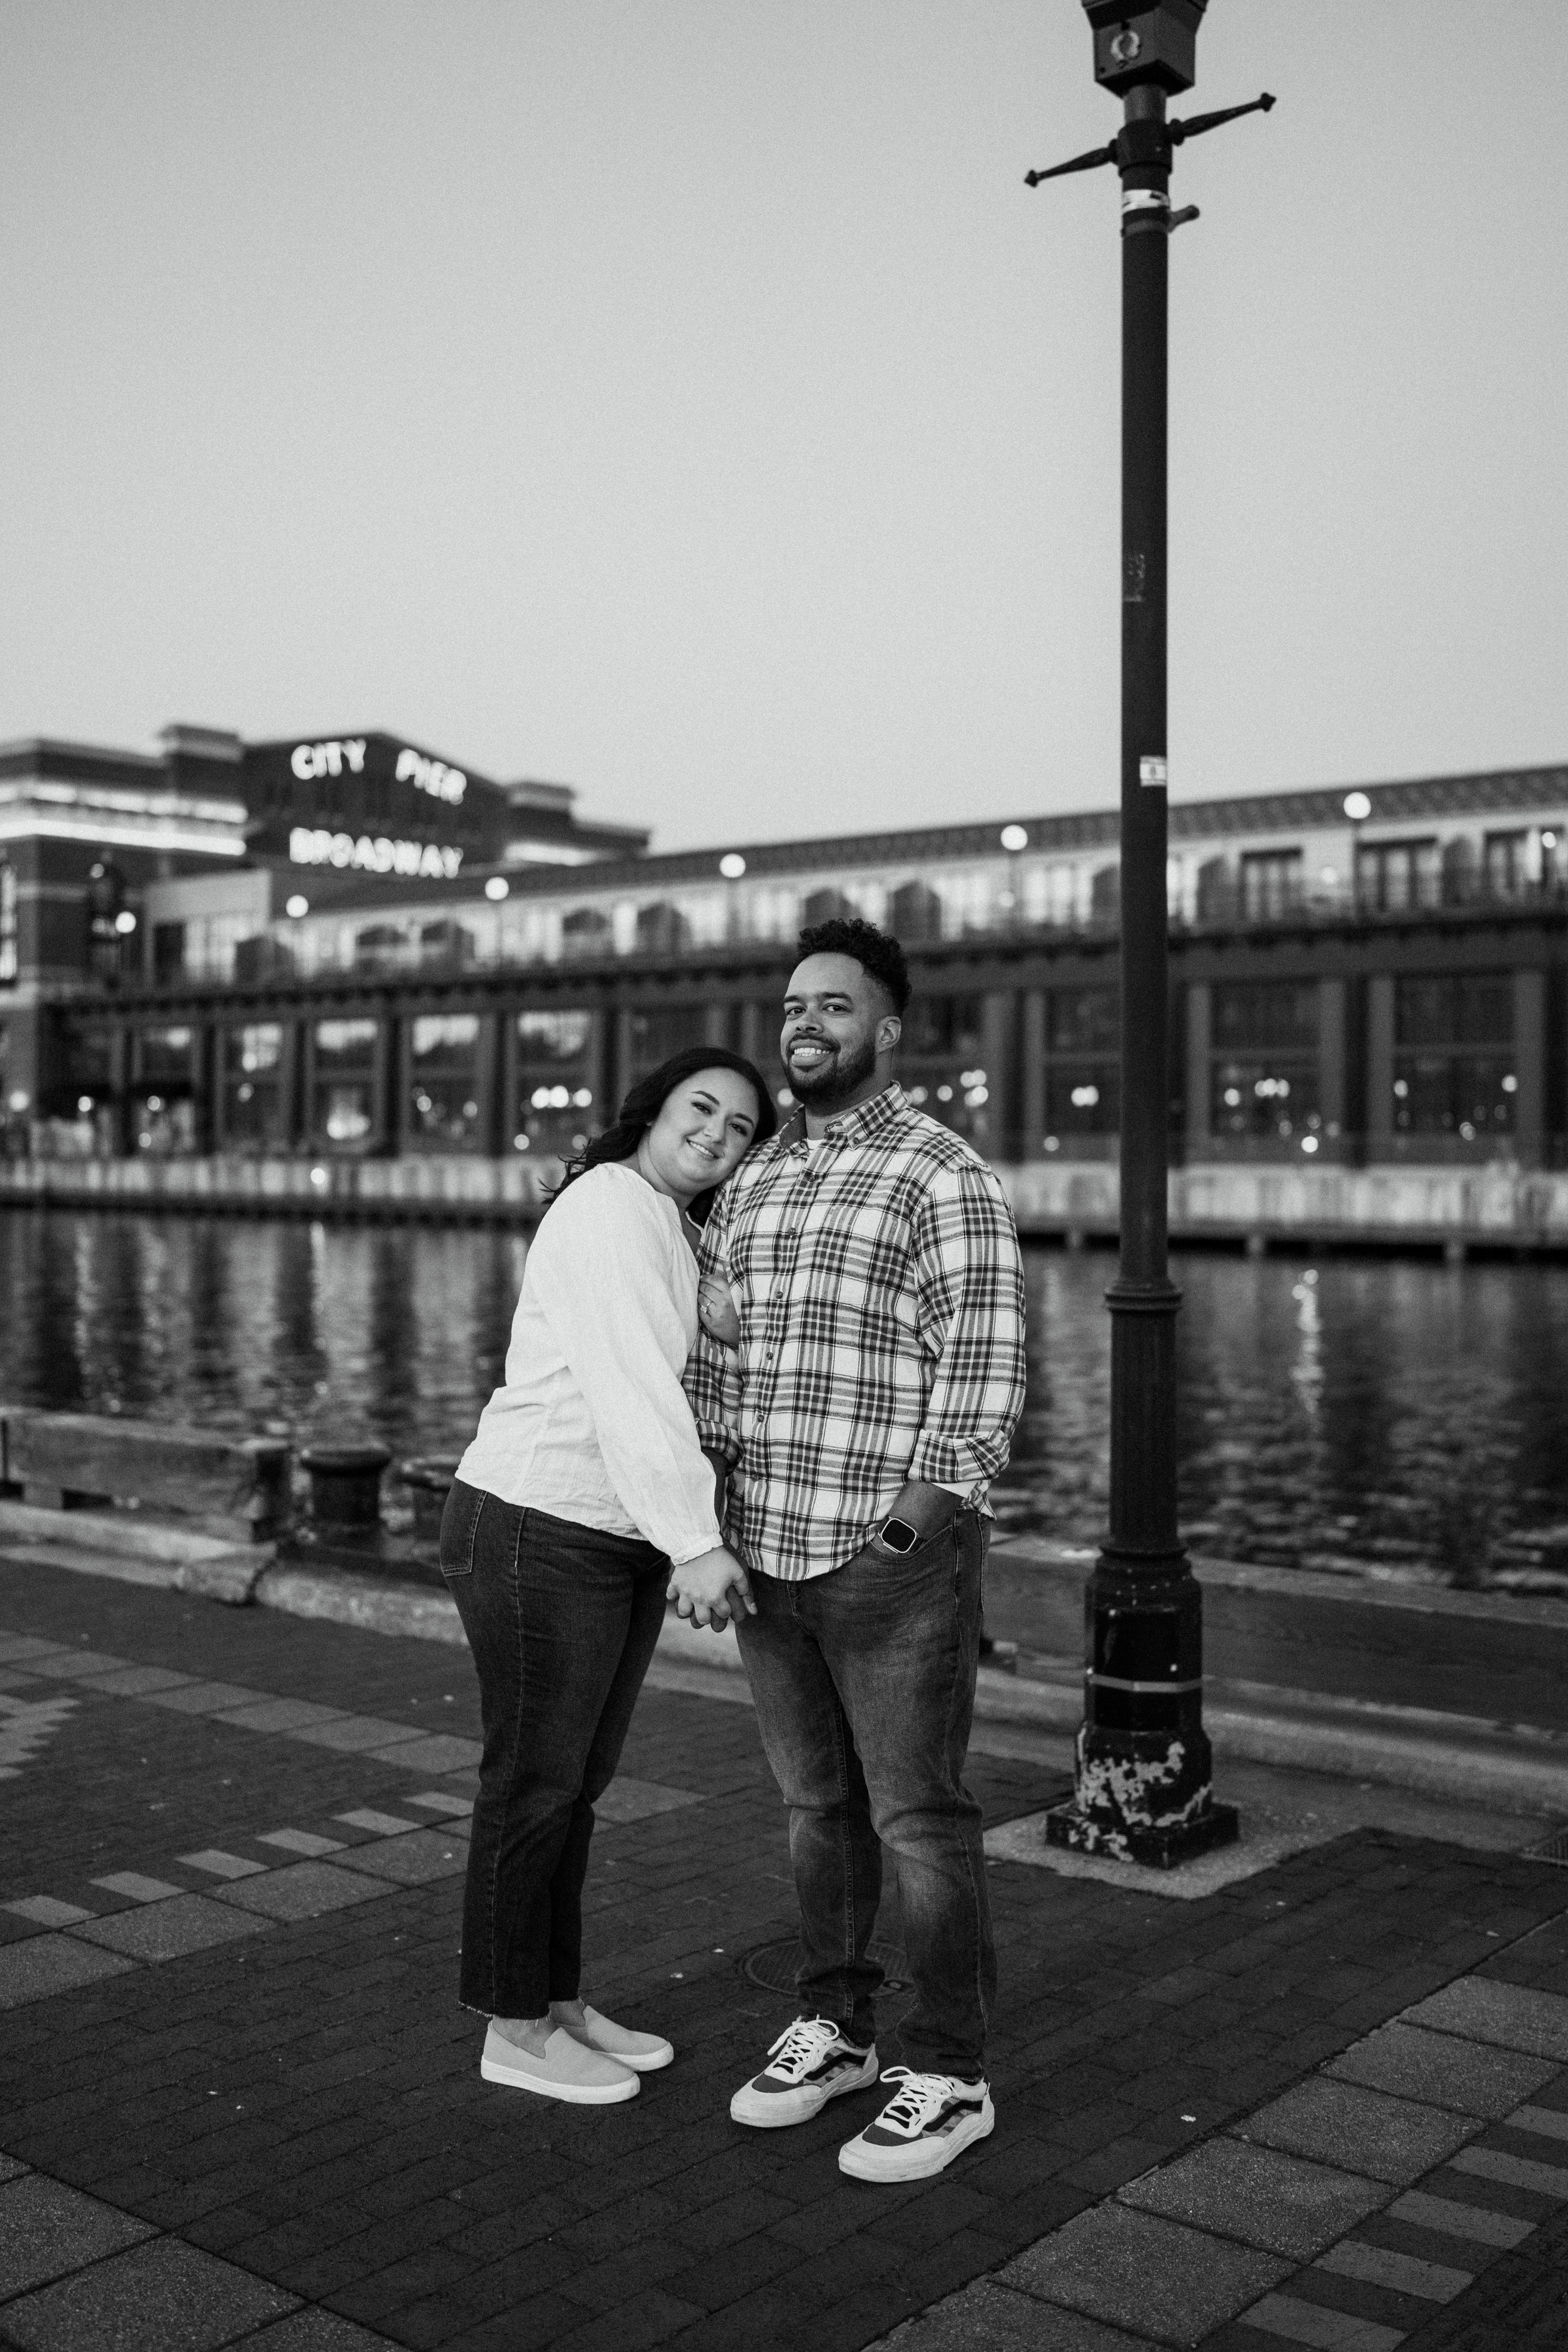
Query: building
{"points": [[346, 949]]}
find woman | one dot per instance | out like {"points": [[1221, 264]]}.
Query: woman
{"points": [[583, 1487]]}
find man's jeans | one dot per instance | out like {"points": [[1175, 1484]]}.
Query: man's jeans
{"points": [[561, 1621], [863, 1681]]}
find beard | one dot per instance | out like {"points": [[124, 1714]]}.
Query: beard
{"points": [[834, 1081]]}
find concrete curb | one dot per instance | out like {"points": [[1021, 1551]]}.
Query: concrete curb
{"points": [[1512, 1767]]}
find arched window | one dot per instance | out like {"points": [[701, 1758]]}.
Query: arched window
{"points": [[662, 930]]}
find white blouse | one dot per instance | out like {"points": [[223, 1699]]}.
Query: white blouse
{"points": [[591, 1423]]}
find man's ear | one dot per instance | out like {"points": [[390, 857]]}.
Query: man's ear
{"points": [[889, 1029]]}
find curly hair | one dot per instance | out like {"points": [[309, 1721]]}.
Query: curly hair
{"points": [[878, 953], [647, 1099]]}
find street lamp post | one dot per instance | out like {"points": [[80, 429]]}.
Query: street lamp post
{"points": [[1143, 1781]]}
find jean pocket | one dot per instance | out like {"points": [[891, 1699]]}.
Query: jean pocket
{"points": [[459, 1527]]}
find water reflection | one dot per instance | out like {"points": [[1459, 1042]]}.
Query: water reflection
{"points": [[1373, 1418]]}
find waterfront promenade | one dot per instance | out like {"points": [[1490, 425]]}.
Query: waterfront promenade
{"points": [[240, 2103], [1499, 1206]]}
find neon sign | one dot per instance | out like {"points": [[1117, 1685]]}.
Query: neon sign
{"points": [[313, 846], [432, 776], [309, 760]]}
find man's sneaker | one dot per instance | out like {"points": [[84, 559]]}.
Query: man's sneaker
{"points": [[810, 2064], [566, 2070], [932, 2119]]}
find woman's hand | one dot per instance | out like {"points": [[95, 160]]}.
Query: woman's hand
{"points": [[711, 1590], [716, 1311]]}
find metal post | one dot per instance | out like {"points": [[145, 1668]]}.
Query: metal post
{"points": [[1143, 1790]]}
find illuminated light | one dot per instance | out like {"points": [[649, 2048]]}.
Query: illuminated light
{"points": [[432, 776], [1014, 838], [1402, 1087], [245, 1093], [1511, 1085], [1467, 1131], [918, 1094], [1329, 877], [1085, 1097], [309, 760], [1358, 808], [17, 1101], [944, 1093], [471, 1110], [296, 906], [497, 886], [540, 1098], [560, 1098], [1053, 1143], [125, 923], [95, 797], [520, 1143], [784, 1099], [1549, 841], [84, 1103], [155, 1102], [1233, 1099], [731, 865], [319, 1179], [1309, 1143], [22, 824], [976, 1096], [582, 1099], [314, 846]]}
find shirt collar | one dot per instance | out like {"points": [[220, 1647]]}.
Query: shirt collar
{"points": [[856, 1126]]}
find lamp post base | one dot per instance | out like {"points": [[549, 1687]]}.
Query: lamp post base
{"points": [[1158, 1846]]}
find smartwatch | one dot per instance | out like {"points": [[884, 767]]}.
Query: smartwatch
{"points": [[898, 1535]]}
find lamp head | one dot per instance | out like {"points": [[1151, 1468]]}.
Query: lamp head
{"points": [[1145, 41]]}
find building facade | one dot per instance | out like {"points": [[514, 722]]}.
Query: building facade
{"points": [[346, 947]]}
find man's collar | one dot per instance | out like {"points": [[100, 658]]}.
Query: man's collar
{"points": [[856, 1125]]}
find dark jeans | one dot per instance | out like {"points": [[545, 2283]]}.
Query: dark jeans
{"points": [[562, 1621], [863, 1681]]}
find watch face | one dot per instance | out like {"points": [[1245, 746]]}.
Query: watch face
{"points": [[899, 1536]]}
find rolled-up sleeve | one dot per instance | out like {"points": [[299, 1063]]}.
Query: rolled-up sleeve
{"points": [[601, 1279], [969, 1307], [712, 1373]]}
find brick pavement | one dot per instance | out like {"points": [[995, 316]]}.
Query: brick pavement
{"points": [[298, 2104]]}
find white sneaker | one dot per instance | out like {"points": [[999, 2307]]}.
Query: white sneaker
{"points": [[923, 2128], [810, 2064], [645, 2053], [566, 2070]]}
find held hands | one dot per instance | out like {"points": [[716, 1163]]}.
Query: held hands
{"points": [[710, 1590], [716, 1311]]}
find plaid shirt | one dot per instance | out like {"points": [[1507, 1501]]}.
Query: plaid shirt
{"points": [[881, 1304]]}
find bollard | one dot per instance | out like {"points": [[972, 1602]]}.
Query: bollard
{"points": [[345, 1483], [429, 1478]]}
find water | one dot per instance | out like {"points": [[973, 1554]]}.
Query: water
{"points": [[1375, 1418]]}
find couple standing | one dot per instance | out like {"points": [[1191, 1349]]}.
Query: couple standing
{"points": [[787, 1419]]}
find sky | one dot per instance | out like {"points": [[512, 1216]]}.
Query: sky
{"points": [[689, 403]]}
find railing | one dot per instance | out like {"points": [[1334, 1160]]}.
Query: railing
{"points": [[492, 938]]}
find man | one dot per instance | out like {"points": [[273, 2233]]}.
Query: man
{"points": [[871, 1378]]}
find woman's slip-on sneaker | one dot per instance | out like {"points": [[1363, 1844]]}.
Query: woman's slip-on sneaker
{"points": [[645, 2053], [810, 2064], [930, 2119], [567, 2069]]}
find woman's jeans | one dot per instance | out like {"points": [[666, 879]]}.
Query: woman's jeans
{"points": [[863, 1681], [563, 1620]]}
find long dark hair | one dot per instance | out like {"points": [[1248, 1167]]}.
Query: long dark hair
{"points": [[647, 1098]]}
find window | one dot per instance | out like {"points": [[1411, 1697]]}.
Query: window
{"points": [[1083, 1068], [7, 921], [1393, 875], [444, 1082], [252, 1070], [914, 912], [1504, 864], [168, 952], [586, 931], [1454, 1071], [656, 1031], [1272, 1014], [343, 1107], [1264, 1066], [941, 1064], [661, 929], [1270, 883], [555, 1111]]}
